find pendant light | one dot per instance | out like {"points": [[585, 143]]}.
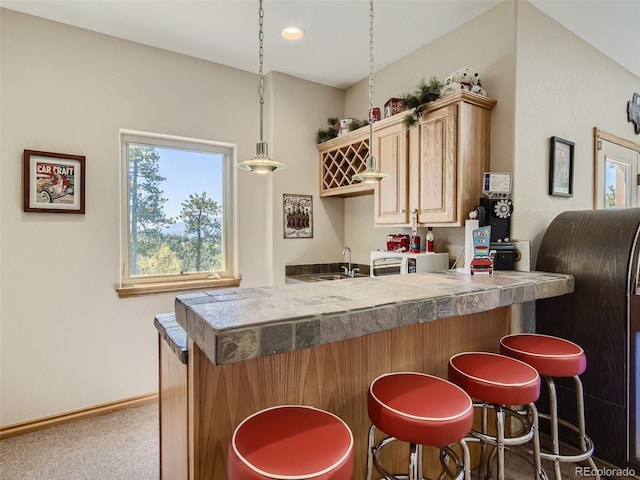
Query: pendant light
{"points": [[371, 173], [261, 163]]}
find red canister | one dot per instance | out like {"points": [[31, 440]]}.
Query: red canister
{"points": [[415, 244]]}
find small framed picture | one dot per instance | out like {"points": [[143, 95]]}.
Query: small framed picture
{"points": [[298, 216], [561, 167], [53, 182]]}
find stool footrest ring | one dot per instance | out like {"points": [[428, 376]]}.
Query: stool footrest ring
{"points": [[575, 458], [521, 416], [447, 456]]}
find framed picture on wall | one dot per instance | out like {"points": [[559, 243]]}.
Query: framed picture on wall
{"points": [[561, 167], [53, 182], [298, 216]]}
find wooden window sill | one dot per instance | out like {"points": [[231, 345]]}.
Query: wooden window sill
{"points": [[177, 286]]}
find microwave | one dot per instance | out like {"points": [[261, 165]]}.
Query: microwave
{"points": [[397, 263]]}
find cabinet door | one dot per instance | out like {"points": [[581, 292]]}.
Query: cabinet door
{"points": [[390, 150], [435, 167]]}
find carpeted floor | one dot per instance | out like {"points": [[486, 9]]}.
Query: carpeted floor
{"points": [[124, 445], [119, 446]]}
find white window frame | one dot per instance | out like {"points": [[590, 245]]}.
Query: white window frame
{"points": [[179, 281], [613, 149]]}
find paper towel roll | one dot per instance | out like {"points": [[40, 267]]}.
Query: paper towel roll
{"points": [[469, 227]]}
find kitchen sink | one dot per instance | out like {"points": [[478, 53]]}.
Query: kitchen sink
{"points": [[334, 276], [321, 277], [328, 276]]}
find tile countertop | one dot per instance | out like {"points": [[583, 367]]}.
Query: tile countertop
{"points": [[237, 324]]}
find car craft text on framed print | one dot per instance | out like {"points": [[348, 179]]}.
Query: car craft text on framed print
{"points": [[53, 182]]}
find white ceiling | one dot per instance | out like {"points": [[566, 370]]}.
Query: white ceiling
{"points": [[335, 50]]}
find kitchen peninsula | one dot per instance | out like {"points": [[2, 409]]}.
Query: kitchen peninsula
{"points": [[322, 343]]}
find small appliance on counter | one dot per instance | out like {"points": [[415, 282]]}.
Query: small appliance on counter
{"points": [[401, 263], [495, 211]]}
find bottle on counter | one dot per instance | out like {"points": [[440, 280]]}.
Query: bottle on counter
{"points": [[430, 241], [415, 243]]}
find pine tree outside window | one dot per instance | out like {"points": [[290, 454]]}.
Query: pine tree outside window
{"points": [[177, 209]]}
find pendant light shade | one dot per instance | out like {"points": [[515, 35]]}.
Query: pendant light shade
{"points": [[371, 174], [261, 163]]}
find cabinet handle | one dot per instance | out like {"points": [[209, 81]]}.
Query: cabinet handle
{"points": [[402, 210]]}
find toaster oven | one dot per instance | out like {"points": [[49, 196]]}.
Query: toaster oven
{"points": [[397, 263]]}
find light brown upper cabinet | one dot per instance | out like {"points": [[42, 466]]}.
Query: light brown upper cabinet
{"points": [[436, 167], [390, 148]]}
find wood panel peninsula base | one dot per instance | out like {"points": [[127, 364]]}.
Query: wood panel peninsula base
{"points": [[322, 344]]}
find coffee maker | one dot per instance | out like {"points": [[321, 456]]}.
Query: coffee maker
{"points": [[495, 210]]}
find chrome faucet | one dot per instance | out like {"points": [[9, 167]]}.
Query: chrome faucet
{"points": [[348, 271]]}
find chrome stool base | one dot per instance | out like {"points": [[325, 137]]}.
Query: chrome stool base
{"points": [[501, 443], [461, 466], [586, 444], [555, 357]]}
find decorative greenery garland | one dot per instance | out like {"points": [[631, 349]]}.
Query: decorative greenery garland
{"points": [[325, 134], [424, 92]]}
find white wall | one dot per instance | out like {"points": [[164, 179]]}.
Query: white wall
{"points": [[300, 108], [67, 341]]}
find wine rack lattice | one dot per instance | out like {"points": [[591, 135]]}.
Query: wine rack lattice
{"points": [[339, 161]]}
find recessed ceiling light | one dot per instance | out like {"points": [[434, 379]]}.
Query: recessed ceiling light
{"points": [[293, 33]]}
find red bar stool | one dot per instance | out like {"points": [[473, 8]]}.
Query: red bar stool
{"points": [[421, 410], [291, 442], [497, 382], [555, 357]]}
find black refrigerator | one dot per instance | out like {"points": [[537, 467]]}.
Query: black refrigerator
{"points": [[600, 248]]}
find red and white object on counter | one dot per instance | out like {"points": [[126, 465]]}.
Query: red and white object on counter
{"points": [[415, 243], [397, 243], [431, 247]]}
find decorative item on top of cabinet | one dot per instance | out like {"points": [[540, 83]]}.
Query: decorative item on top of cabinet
{"points": [[447, 155], [337, 128], [415, 102]]}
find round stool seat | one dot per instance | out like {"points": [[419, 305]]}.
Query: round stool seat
{"points": [[550, 356], [495, 378], [291, 442], [419, 408]]}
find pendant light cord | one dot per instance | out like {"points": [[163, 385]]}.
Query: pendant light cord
{"points": [[370, 157], [370, 58], [260, 75], [261, 163]]}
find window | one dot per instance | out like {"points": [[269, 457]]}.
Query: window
{"points": [[177, 211], [617, 164], [617, 183]]}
